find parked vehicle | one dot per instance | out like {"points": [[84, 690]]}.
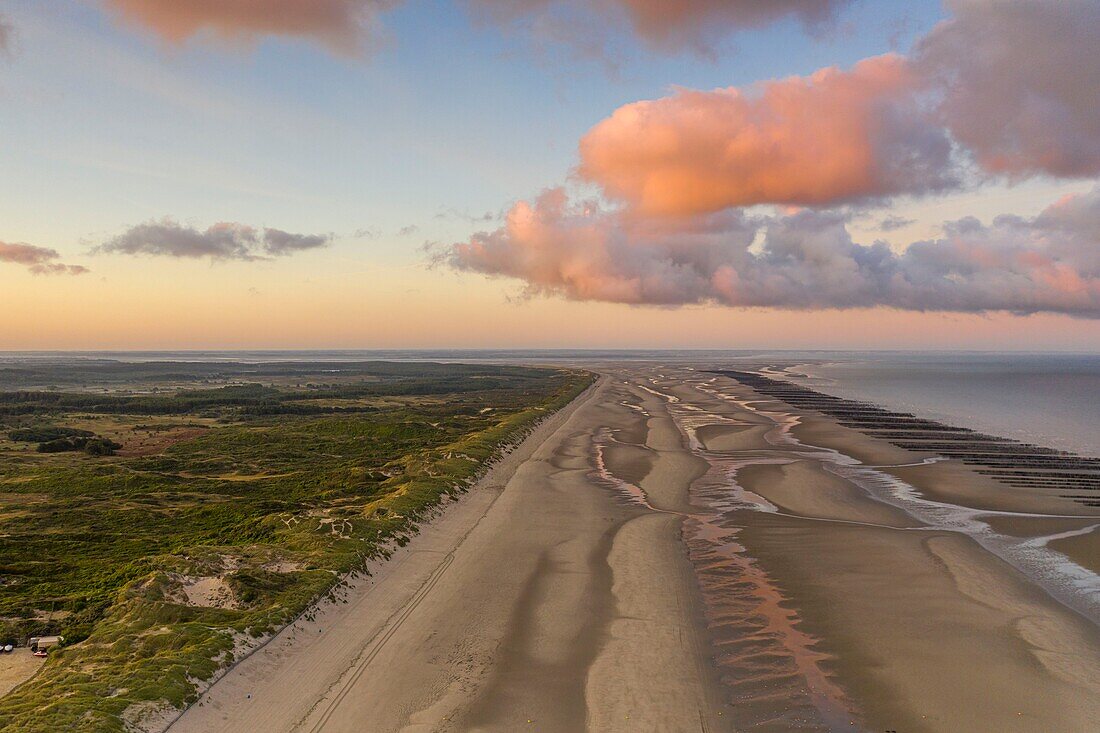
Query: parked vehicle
{"points": [[40, 645]]}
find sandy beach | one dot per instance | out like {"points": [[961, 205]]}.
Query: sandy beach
{"points": [[674, 552], [17, 667]]}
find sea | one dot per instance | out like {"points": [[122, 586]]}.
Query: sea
{"points": [[1051, 400]]}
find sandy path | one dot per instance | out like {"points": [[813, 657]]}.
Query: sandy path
{"points": [[540, 601]]}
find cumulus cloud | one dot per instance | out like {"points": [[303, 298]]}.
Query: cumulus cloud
{"points": [[806, 260], [221, 241], [1004, 88], [343, 25], [39, 260], [1020, 82], [835, 136], [667, 26]]}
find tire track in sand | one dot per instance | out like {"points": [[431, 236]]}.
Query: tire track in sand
{"points": [[363, 662]]}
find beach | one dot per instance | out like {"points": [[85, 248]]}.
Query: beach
{"points": [[675, 551]]}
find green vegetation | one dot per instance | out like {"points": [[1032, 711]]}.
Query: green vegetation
{"points": [[47, 433], [52, 439], [228, 509]]}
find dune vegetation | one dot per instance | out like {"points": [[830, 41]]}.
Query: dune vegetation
{"points": [[233, 497]]}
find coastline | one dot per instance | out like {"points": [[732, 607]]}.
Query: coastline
{"points": [[674, 551], [980, 390]]}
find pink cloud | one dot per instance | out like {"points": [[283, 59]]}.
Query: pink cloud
{"points": [[695, 22], [1011, 85], [1003, 89], [39, 260], [806, 260], [663, 25], [831, 137], [343, 25]]}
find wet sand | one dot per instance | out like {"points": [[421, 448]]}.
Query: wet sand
{"points": [[806, 489], [674, 552], [919, 629]]}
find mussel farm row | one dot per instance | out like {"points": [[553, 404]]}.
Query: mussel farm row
{"points": [[1011, 462]]}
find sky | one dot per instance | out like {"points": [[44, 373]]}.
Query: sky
{"points": [[549, 173]]}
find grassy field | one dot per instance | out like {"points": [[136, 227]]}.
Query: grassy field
{"points": [[235, 495]]}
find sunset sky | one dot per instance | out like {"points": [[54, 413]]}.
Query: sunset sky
{"points": [[552, 173]]}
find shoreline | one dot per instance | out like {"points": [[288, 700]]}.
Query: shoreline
{"points": [[925, 401], [677, 551]]}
